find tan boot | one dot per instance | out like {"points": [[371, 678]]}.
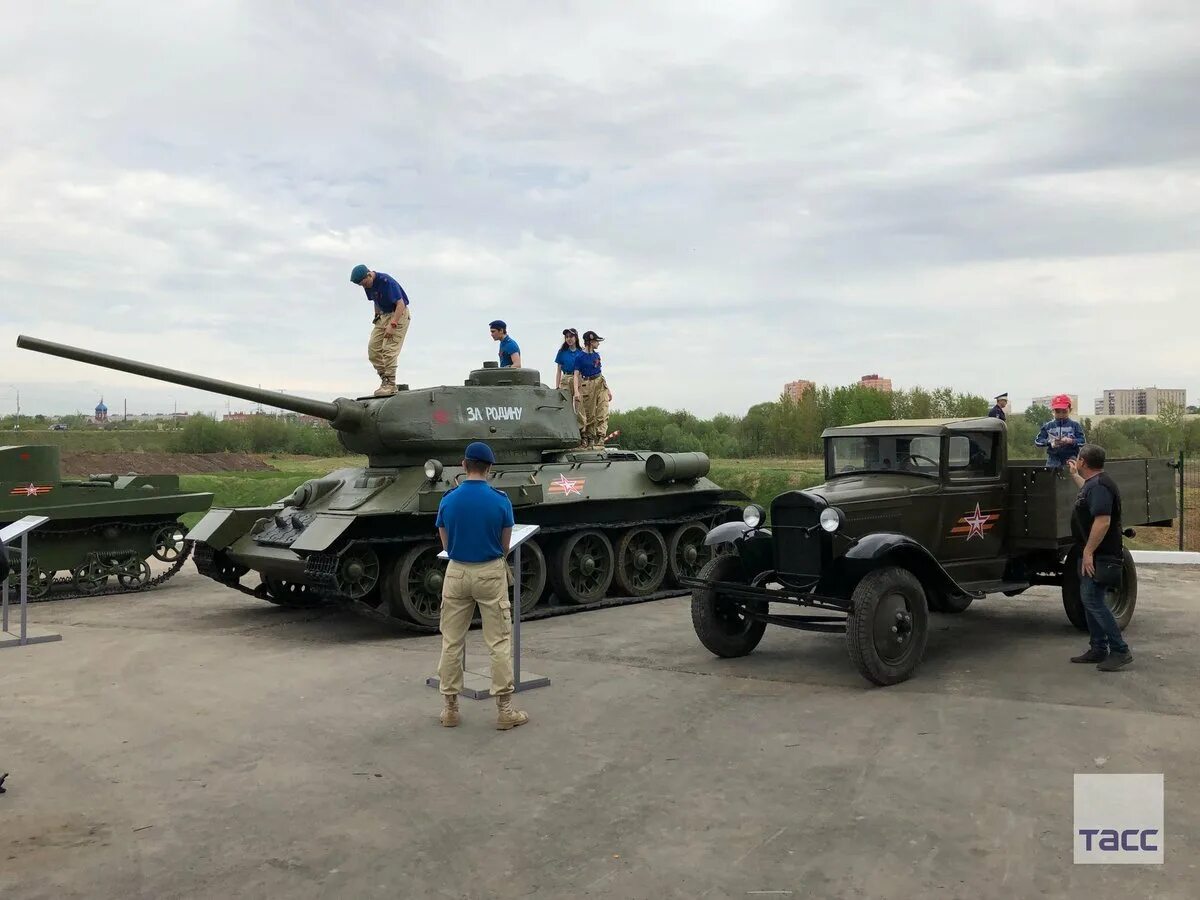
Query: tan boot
{"points": [[449, 716], [506, 716], [387, 386]]}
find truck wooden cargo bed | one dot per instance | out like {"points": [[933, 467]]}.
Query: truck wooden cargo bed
{"points": [[1040, 500]]}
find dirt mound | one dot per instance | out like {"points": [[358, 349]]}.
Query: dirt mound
{"points": [[84, 463]]}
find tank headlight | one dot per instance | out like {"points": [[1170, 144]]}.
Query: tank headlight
{"points": [[433, 469], [754, 515], [831, 519]]}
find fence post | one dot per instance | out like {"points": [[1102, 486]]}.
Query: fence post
{"points": [[1182, 517]]}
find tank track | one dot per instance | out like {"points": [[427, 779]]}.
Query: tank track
{"points": [[117, 588], [322, 568]]}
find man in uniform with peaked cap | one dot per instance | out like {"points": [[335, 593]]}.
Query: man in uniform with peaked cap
{"points": [[997, 411]]}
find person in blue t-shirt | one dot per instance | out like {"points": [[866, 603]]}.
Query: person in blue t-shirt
{"points": [[389, 327], [564, 379], [510, 352], [593, 392], [1062, 436], [475, 523]]}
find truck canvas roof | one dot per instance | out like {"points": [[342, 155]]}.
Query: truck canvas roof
{"points": [[916, 426]]}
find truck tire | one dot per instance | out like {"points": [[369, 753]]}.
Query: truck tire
{"points": [[888, 626], [1121, 602], [719, 626]]}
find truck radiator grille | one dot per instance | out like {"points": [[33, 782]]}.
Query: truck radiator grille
{"points": [[798, 541]]}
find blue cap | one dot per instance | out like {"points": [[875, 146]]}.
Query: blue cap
{"points": [[359, 273], [480, 452], [499, 323]]}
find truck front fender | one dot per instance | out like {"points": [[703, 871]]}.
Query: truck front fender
{"points": [[728, 532], [885, 548]]}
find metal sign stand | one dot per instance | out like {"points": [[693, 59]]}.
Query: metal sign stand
{"points": [[477, 684], [20, 529]]}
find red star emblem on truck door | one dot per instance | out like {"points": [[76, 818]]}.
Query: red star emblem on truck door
{"points": [[975, 524]]}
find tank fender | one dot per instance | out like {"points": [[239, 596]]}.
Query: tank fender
{"points": [[221, 527], [888, 548], [728, 532]]}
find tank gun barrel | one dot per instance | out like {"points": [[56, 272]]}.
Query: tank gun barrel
{"points": [[319, 408]]}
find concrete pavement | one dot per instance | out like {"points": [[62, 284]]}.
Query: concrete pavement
{"points": [[193, 742]]}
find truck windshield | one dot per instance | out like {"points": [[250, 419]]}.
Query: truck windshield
{"points": [[906, 454]]}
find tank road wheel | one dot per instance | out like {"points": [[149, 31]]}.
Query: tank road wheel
{"points": [[135, 575], [686, 552], [40, 581], [719, 623], [583, 567], [1121, 601], [89, 578], [641, 562], [168, 542], [290, 594], [358, 572], [889, 625], [533, 575], [414, 588]]}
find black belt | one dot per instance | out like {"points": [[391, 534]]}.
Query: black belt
{"points": [[591, 377]]}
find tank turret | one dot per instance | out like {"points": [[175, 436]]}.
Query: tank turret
{"points": [[511, 409]]}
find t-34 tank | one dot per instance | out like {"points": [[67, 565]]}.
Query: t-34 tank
{"points": [[103, 529], [616, 525]]}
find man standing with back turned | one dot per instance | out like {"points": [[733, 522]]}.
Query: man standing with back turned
{"points": [[475, 522], [390, 324], [1096, 527]]}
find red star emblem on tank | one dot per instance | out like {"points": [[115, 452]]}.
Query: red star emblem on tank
{"points": [[31, 490], [567, 486]]}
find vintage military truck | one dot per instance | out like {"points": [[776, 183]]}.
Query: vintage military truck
{"points": [[913, 516]]}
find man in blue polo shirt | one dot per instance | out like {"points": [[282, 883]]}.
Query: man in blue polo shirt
{"points": [[475, 523], [510, 353], [389, 327]]}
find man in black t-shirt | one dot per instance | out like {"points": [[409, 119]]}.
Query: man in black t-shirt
{"points": [[1096, 527]]}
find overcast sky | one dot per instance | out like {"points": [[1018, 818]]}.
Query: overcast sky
{"points": [[992, 195]]}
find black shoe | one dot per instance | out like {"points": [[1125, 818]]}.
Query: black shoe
{"points": [[1092, 656], [1115, 661]]}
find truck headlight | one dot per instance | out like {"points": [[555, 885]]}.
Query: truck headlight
{"points": [[754, 515], [433, 469], [832, 519]]}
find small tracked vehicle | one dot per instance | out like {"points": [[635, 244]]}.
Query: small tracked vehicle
{"points": [[104, 529]]}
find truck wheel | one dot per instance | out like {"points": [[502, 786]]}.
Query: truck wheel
{"points": [[888, 626], [718, 622], [1121, 601]]}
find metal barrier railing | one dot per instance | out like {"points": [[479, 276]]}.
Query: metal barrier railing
{"points": [[19, 530]]}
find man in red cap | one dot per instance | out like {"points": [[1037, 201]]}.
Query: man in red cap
{"points": [[1062, 436]]}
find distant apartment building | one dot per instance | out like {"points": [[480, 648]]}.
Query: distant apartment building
{"points": [[1045, 401], [875, 383], [1139, 401], [797, 389]]}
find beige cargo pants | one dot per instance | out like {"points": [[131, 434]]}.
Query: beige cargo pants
{"points": [[568, 385], [595, 409], [465, 585], [383, 349]]}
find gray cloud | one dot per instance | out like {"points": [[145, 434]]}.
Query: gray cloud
{"points": [[735, 197]]}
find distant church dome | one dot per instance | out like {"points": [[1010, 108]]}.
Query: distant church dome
{"points": [[101, 410]]}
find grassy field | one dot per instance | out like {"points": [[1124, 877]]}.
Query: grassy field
{"points": [[130, 441]]}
